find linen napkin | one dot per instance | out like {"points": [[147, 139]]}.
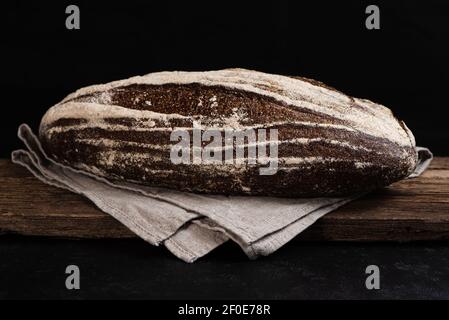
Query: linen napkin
{"points": [[189, 225]]}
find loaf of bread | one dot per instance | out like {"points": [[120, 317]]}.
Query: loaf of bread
{"points": [[328, 143]]}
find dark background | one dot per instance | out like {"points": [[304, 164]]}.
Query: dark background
{"points": [[404, 65], [34, 268]]}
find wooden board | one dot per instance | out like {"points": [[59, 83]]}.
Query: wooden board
{"points": [[416, 209]]}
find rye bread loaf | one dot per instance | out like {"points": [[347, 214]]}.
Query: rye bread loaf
{"points": [[329, 144]]}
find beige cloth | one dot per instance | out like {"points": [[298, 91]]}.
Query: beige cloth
{"points": [[189, 225]]}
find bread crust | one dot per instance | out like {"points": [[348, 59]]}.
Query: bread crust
{"points": [[330, 144]]}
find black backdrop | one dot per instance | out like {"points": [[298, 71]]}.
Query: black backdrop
{"points": [[404, 65]]}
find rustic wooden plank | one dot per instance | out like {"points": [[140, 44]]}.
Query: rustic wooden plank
{"points": [[416, 209]]}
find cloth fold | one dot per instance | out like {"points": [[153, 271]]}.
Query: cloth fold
{"points": [[189, 225]]}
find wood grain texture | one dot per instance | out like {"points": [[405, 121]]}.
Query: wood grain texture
{"points": [[416, 209]]}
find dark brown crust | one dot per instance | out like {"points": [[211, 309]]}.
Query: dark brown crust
{"points": [[327, 178], [168, 97]]}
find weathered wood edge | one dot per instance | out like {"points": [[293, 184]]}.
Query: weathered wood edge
{"points": [[410, 210]]}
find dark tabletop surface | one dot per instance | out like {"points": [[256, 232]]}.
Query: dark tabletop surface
{"points": [[35, 268]]}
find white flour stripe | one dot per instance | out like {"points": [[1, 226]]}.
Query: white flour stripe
{"points": [[308, 160], [109, 127], [303, 141], [94, 112], [122, 143], [100, 124], [119, 158]]}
